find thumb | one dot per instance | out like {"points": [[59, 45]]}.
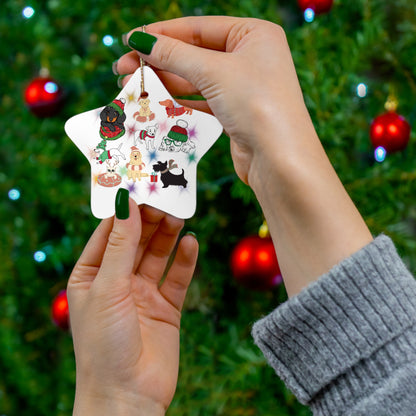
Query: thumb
{"points": [[124, 238], [190, 62]]}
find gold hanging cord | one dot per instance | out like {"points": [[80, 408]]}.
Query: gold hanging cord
{"points": [[142, 64]]}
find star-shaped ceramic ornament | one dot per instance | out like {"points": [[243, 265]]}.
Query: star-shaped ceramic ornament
{"points": [[146, 143]]}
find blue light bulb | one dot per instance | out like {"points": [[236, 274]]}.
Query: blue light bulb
{"points": [[380, 154], [14, 194], [39, 256], [309, 15], [51, 87]]}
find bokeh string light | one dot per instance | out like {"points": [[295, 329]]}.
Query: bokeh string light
{"points": [[108, 40], [14, 194], [28, 12], [39, 256], [309, 15], [362, 90]]}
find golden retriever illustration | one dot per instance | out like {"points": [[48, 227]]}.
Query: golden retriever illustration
{"points": [[136, 165]]}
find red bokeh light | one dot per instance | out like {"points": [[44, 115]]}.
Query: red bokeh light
{"points": [[60, 310], [254, 263], [390, 131], [43, 96], [318, 6]]}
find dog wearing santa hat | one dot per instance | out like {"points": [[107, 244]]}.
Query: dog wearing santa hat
{"points": [[136, 165]]}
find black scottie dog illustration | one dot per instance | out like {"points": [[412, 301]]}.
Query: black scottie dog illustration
{"points": [[167, 177]]}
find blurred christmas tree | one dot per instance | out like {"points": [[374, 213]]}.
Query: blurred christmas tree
{"points": [[349, 61]]}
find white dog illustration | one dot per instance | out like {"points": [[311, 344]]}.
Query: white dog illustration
{"points": [[104, 155], [111, 168], [147, 135], [176, 146]]}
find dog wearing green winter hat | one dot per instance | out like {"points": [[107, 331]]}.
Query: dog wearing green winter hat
{"points": [[177, 139]]}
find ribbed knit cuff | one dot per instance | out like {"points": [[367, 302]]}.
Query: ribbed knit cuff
{"points": [[346, 331]]}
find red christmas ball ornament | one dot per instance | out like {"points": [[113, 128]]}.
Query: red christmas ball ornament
{"points": [[390, 131], [254, 263], [44, 97], [60, 311], [318, 6]]}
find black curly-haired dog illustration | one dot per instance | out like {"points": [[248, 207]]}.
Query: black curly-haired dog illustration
{"points": [[167, 177], [112, 120]]}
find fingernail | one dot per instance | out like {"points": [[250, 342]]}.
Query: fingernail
{"points": [[124, 38], [122, 204], [114, 67], [120, 81], [191, 233], [142, 42]]}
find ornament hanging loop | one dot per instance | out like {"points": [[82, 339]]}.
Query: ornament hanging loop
{"points": [[264, 230], [143, 93], [391, 103]]}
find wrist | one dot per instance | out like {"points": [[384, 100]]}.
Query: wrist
{"points": [[115, 404], [286, 154], [312, 220]]}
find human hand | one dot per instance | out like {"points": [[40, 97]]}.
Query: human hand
{"points": [[125, 322], [244, 70]]}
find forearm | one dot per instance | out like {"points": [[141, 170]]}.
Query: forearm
{"points": [[312, 220]]}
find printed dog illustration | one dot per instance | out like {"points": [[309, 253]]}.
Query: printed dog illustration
{"points": [[145, 113], [111, 168], [136, 165], [177, 138], [147, 135], [167, 177], [112, 120], [188, 146], [170, 145], [173, 111], [110, 178], [103, 155]]}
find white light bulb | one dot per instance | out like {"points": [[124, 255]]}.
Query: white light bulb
{"points": [[361, 90], [108, 40], [28, 12]]}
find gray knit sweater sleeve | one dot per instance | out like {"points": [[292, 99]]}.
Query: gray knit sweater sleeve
{"points": [[346, 345]]}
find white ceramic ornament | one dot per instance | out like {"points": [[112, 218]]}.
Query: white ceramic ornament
{"points": [[145, 143]]}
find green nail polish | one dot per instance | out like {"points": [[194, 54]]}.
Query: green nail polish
{"points": [[120, 81], [191, 233], [122, 204], [142, 42], [114, 67]]}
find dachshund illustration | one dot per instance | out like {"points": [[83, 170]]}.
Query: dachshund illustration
{"points": [[173, 111]]}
